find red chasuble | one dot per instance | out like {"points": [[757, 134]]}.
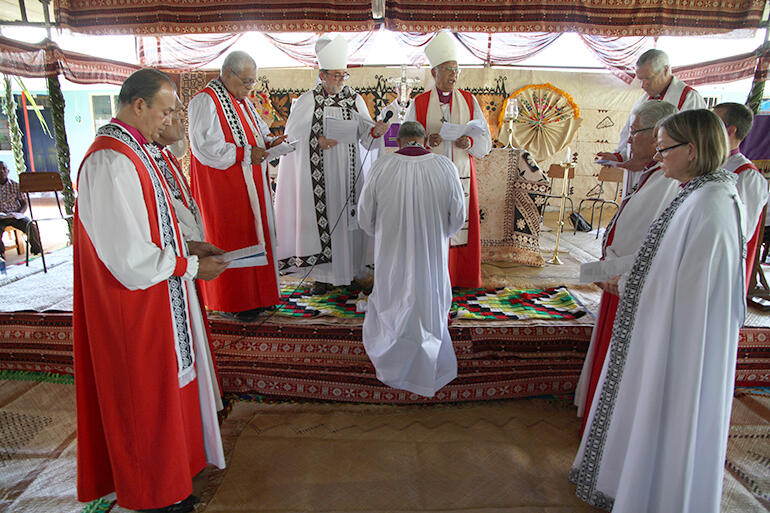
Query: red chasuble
{"points": [[464, 260], [228, 218], [139, 433]]}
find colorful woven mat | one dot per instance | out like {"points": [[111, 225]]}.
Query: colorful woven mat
{"points": [[478, 304]]}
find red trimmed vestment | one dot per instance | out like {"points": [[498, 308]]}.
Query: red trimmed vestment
{"points": [[145, 387], [752, 189], [465, 246], [233, 195]]}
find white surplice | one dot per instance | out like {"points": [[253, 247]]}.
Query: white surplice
{"points": [[656, 435], [628, 228], [752, 188], [411, 205], [674, 95], [296, 215], [114, 214]]}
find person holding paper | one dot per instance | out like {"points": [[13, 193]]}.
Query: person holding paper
{"points": [[752, 186], [411, 204], [654, 74], [319, 184], [12, 208], [624, 234], [447, 104], [656, 435], [147, 393], [228, 171]]}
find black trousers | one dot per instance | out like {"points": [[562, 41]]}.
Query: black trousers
{"points": [[21, 224]]}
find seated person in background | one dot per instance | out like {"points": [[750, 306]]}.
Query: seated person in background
{"points": [[412, 203], [752, 186], [12, 206], [624, 234]]}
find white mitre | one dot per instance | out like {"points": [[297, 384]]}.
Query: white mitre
{"points": [[442, 48], [332, 52]]}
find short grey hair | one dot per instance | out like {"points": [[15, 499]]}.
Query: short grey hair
{"points": [[657, 59], [411, 130], [649, 113], [237, 61]]}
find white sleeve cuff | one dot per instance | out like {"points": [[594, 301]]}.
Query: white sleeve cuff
{"points": [[192, 268]]}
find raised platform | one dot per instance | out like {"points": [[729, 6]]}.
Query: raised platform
{"points": [[321, 360]]}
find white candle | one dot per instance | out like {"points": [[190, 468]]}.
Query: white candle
{"points": [[512, 109], [569, 155]]}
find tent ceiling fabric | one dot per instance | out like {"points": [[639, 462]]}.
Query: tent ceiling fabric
{"points": [[596, 17], [158, 17]]}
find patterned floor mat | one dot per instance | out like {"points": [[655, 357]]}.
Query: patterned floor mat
{"points": [[477, 304]]}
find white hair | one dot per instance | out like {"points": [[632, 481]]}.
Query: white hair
{"points": [[657, 59]]}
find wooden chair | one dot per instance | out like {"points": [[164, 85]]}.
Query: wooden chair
{"points": [[13, 232], [41, 182], [607, 174], [554, 172]]}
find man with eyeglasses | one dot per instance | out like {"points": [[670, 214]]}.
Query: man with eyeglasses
{"points": [[625, 233], [654, 73], [447, 103], [228, 172], [319, 183]]}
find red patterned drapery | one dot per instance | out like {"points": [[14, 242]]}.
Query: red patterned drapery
{"points": [[617, 18], [729, 69], [504, 49], [48, 60], [183, 52], [157, 17]]}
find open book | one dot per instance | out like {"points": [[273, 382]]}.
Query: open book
{"points": [[251, 256]]}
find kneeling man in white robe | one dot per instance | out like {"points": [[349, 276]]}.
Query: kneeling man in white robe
{"points": [[412, 203]]}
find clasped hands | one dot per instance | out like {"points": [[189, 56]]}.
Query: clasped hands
{"points": [[610, 285], [633, 165], [463, 142]]}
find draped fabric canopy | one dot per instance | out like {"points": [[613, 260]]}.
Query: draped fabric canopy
{"points": [[46, 60], [598, 17], [613, 18]]}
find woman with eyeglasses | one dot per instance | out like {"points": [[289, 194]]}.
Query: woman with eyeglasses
{"points": [[656, 435]]}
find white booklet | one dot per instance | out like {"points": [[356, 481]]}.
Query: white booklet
{"points": [[453, 131], [281, 150], [344, 131], [609, 163], [603, 270], [251, 256]]}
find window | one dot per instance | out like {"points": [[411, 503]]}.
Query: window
{"points": [[103, 108]]}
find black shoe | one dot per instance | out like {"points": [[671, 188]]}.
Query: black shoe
{"points": [[320, 287], [185, 506], [247, 315]]}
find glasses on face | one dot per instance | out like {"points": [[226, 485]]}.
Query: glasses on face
{"points": [[246, 83], [634, 132], [338, 76], [450, 70], [664, 151]]}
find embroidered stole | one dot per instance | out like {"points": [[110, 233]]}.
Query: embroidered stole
{"points": [[166, 232], [346, 101], [460, 113], [242, 133]]}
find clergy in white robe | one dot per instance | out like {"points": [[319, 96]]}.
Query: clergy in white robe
{"points": [[147, 394], [625, 233], [657, 430], [445, 103], [654, 72], [752, 186], [411, 204], [319, 183]]}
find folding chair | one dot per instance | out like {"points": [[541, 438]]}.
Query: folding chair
{"points": [[606, 174], [554, 172], [41, 182]]}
